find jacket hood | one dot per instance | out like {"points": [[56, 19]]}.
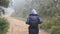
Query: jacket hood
{"points": [[33, 11]]}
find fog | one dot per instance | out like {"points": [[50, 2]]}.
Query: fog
{"points": [[14, 5]]}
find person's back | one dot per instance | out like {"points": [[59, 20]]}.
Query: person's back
{"points": [[33, 20]]}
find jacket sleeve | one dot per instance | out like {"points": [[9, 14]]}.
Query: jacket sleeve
{"points": [[40, 20], [27, 21]]}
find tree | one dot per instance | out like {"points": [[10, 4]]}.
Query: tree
{"points": [[4, 25], [2, 11], [4, 3]]}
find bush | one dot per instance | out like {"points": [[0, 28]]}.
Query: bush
{"points": [[4, 25], [55, 30], [50, 22], [46, 26]]}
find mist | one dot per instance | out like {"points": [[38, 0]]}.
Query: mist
{"points": [[14, 5]]}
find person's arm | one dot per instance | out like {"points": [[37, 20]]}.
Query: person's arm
{"points": [[40, 20], [27, 21]]}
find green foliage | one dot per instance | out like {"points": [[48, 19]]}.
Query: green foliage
{"points": [[49, 10], [52, 12], [55, 30], [48, 26], [4, 25]]}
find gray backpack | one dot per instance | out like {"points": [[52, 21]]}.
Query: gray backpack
{"points": [[33, 20]]}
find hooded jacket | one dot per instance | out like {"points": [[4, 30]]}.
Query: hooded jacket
{"points": [[33, 13]]}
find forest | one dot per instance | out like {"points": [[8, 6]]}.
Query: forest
{"points": [[48, 10]]}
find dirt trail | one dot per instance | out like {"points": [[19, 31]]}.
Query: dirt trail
{"points": [[18, 26]]}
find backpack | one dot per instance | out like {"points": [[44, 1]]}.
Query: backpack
{"points": [[33, 20]]}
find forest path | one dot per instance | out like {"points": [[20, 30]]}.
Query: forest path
{"points": [[19, 26]]}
